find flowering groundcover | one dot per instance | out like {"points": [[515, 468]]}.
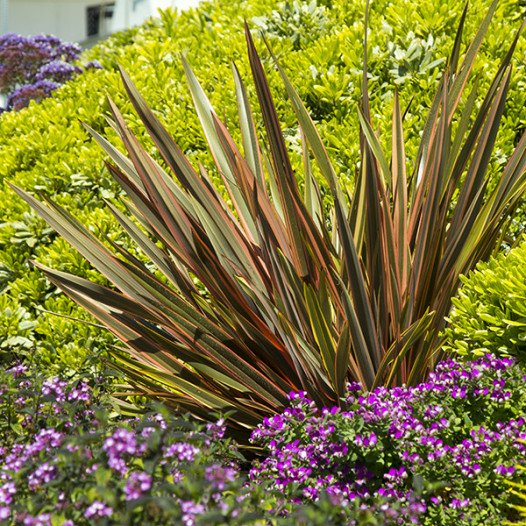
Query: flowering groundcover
{"points": [[437, 453], [442, 447]]}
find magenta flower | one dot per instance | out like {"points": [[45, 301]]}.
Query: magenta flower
{"points": [[42, 475], [183, 451]]}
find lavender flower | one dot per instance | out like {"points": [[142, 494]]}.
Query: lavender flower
{"points": [[219, 476], [190, 510], [123, 442], [43, 519], [98, 509], [81, 392], [93, 64], [21, 97], [7, 493], [57, 71], [216, 430], [183, 451], [138, 483], [31, 68], [42, 475]]}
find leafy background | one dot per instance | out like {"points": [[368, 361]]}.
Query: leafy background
{"points": [[45, 148]]}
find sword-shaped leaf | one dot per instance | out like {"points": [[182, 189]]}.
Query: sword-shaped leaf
{"points": [[280, 291]]}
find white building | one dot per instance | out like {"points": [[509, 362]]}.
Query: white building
{"points": [[70, 20], [79, 20], [129, 13]]}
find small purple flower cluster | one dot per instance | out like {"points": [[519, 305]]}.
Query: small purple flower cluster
{"points": [[137, 485], [37, 91], [98, 509], [32, 67], [444, 431], [120, 445], [57, 71]]}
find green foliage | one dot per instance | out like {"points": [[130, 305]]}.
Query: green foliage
{"points": [[518, 489], [16, 325], [44, 147], [292, 296], [298, 22], [489, 314]]}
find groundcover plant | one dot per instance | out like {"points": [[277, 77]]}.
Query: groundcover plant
{"points": [[437, 453], [153, 470], [271, 292], [438, 439]]}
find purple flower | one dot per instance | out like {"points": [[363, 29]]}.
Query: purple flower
{"points": [[459, 503], [68, 51], [42, 475], [80, 392], [505, 471], [54, 388], [98, 509], [219, 476], [17, 370], [32, 67], [43, 519], [57, 71], [138, 483], [190, 510], [94, 64], [216, 430], [183, 451], [396, 475], [311, 449], [367, 440], [122, 442], [7, 491]]}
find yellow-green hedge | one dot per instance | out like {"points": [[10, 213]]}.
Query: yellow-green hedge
{"points": [[490, 311]]}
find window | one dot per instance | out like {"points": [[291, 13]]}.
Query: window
{"points": [[98, 18]]}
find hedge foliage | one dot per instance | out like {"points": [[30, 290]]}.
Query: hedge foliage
{"points": [[490, 310], [44, 147]]}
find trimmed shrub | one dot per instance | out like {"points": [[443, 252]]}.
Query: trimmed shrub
{"points": [[489, 314], [45, 149]]}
